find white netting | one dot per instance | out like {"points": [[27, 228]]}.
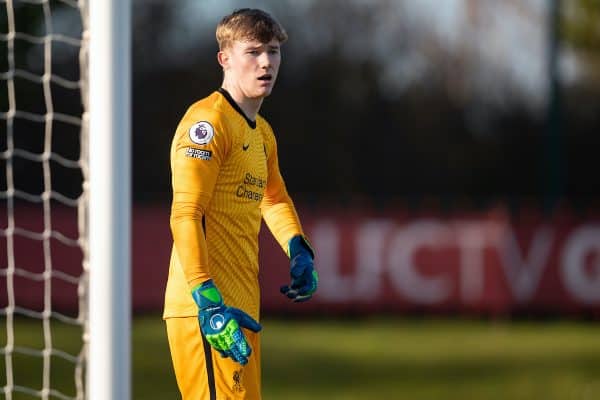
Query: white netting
{"points": [[43, 257]]}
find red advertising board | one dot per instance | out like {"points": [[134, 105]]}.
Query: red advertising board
{"points": [[392, 261]]}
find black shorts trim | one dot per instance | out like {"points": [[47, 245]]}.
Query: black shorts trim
{"points": [[210, 372]]}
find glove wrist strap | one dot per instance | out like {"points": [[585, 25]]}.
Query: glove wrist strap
{"points": [[207, 295], [299, 244]]}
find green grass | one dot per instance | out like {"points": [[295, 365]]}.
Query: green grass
{"points": [[373, 359]]}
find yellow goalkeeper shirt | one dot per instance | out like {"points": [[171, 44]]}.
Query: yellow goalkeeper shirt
{"points": [[225, 177]]}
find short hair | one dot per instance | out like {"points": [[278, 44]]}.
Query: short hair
{"points": [[249, 24]]}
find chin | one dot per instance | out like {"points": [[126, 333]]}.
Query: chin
{"points": [[267, 90], [262, 94]]}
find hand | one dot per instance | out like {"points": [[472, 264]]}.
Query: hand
{"points": [[221, 325], [304, 277]]}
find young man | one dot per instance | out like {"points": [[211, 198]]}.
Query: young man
{"points": [[225, 177]]}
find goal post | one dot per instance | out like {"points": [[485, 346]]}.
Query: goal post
{"points": [[109, 109]]}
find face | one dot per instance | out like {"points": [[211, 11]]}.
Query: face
{"points": [[251, 67]]}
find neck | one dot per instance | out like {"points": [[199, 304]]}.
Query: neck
{"points": [[249, 106]]}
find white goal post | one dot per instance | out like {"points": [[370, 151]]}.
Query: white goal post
{"points": [[109, 99]]}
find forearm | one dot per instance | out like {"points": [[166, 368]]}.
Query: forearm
{"points": [[282, 219], [190, 242]]}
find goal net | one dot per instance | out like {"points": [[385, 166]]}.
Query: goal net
{"points": [[43, 195]]}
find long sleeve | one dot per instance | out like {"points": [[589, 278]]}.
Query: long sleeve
{"points": [[199, 148], [277, 207]]}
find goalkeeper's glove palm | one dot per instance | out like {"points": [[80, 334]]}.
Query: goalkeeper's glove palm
{"points": [[221, 325], [304, 278]]}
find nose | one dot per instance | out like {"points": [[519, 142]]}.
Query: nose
{"points": [[265, 60]]}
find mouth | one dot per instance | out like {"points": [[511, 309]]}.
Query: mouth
{"points": [[266, 78]]}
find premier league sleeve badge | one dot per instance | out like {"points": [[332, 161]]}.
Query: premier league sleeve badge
{"points": [[201, 132]]}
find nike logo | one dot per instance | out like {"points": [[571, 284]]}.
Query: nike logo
{"points": [[245, 146]]}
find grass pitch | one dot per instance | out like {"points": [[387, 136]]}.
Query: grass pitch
{"points": [[371, 358]]}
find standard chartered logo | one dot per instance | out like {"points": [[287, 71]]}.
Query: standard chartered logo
{"points": [[252, 187]]}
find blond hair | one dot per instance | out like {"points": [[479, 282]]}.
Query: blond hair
{"points": [[249, 24]]}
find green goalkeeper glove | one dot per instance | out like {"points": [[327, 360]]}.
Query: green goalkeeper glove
{"points": [[221, 325], [304, 277]]}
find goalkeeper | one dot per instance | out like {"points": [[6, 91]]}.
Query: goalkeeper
{"points": [[225, 177]]}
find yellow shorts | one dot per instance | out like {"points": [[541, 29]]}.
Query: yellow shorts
{"points": [[201, 372]]}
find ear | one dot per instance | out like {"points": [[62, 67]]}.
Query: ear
{"points": [[223, 59]]}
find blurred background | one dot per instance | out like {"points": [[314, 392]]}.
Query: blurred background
{"points": [[441, 154]]}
